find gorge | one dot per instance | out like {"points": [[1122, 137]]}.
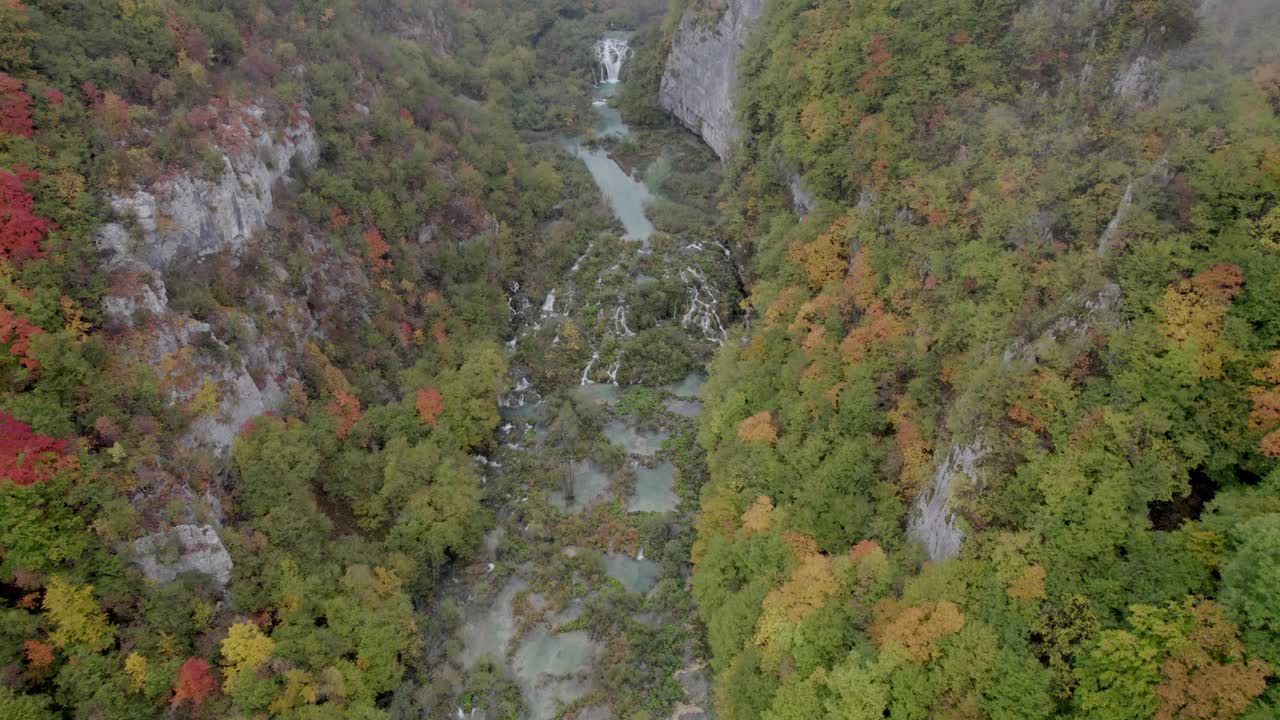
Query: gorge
{"points": [[739, 359]]}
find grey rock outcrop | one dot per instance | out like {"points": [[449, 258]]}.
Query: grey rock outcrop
{"points": [[701, 75], [182, 222], [190, 218], [183, 549], [933, 520]]}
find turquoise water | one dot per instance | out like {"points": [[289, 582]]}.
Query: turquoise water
{"points": [[608, 119], [635, 575], [627, 196], [554, 669], [634, 440], [597, 393], [688, 387], [655, 489], [489, 634], [590, 483]]}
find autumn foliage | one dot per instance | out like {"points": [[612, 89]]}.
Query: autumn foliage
{"points": [[27, 457], [826, 258], [21, 229], [430, 404], [803, 594], [1265, 415], [345, 407], [758, 428], [194, 682], [38, 654], [377, 249], [1195, 310], [758, 517], [15, 108], [1207, 678], [916, 629], [16, 333]]}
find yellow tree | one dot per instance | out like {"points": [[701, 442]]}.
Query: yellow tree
{"points": [[244, 648], [1195, 309], [76, 616]]}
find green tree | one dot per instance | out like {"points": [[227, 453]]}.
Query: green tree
{"points": [[1249, 583]]}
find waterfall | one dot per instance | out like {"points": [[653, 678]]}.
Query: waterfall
{"points": [[610, 54], [619, 322], [702, 313], [586, 371]]}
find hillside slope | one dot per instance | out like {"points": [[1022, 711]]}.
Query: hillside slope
{"points": [[999, 437], [255, 259]]}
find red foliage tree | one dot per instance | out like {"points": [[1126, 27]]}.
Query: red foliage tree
{"points": [[377, 248], [345, 407], [16, 333], [27, 457], [21, 229], [195, 682], [54, 96], [430, 405], [39, 655], [15, 108]]}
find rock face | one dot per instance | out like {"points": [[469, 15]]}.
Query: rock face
{"points": [[183, 549], [188, 218], [182, 222], [702, 71], [933, 519], [933, 523]]}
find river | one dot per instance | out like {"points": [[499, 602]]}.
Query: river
{"points": [[580, 603]]}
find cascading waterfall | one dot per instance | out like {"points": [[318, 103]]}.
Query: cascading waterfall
{"points": [[702, 313], [586, 371], [619, 322], [610, 54], [611, 372]]}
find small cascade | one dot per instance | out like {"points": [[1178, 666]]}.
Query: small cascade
{"points": [[586, 371], [702, 313], [610, 54], [618, 323], [612, 371], [577, 264], [522, 394], [549, 305]]}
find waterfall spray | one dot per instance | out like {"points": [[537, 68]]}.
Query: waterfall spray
{"points": [[610, 54]]}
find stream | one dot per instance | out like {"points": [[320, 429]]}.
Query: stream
{"points": [[586, 570]]}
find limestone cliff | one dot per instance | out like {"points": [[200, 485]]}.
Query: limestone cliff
{"points": [[701, 75], [171, 227]]}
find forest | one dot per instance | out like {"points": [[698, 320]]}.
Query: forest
{"points": [[991, 420], [999, 438]]}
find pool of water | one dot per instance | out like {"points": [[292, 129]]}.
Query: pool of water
{"points": [[655, 489], [635, 575], [553, 669], [687, 408], [597, 393], [488, 634], [688, 387], [627, 196], [524, 413], [590, 483], [634, 440]]}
